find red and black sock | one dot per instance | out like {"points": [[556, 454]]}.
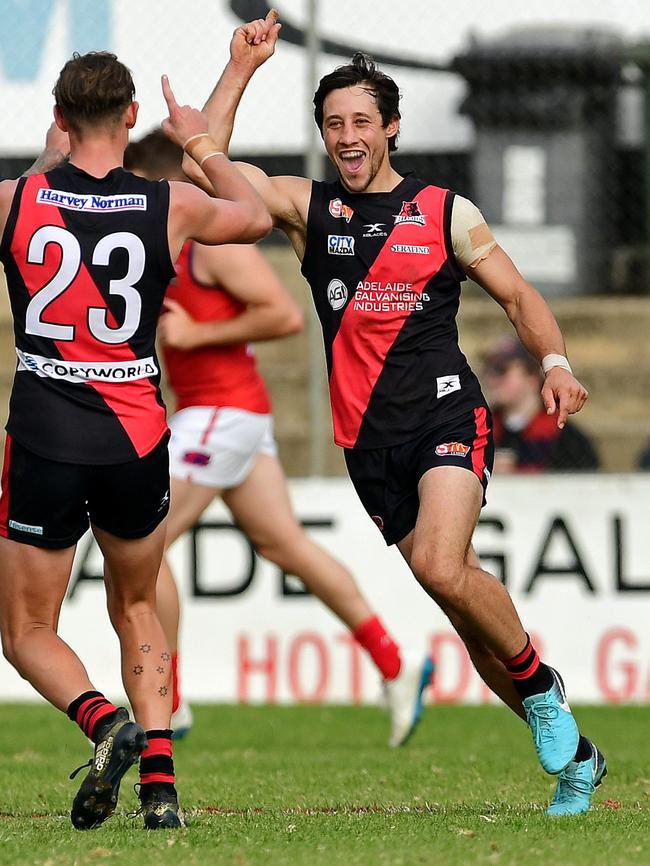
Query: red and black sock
{"points": [[156, 762], [382, 649], [530, 676], [93, 713], [176, 691]]}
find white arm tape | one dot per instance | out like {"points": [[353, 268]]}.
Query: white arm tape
{"points": [[549, 361], [194, 138], [211, 154]]}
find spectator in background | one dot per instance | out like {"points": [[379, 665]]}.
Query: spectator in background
{"points": [[526, 438], [643, 461]]}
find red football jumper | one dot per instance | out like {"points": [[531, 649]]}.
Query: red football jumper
{"points": [[211, 375]]}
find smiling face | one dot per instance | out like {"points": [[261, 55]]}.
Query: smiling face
{"points": [[355, 139]]}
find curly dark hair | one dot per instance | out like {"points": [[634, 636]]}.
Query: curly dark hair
{"points": [[361, 70], [93, 89]]}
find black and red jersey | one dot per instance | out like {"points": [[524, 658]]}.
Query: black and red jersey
{"points": [[87, 263], [211, 375], [386, 286]]}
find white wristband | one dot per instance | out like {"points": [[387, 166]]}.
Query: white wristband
{"points": [[195, 137], [211, 154], [550, 361]]}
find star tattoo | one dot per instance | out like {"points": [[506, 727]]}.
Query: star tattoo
{"points": [[145, 648], [160, 669], [137, 670], [162, 691], [165, 656]]}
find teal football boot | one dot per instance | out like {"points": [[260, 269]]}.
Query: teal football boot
{"points": [[576, 785], [555, 732]]}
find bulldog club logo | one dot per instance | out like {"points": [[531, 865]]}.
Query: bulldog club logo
{"points": [[410, 213]]}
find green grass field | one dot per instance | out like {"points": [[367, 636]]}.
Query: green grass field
{"points": [[310, 786]]}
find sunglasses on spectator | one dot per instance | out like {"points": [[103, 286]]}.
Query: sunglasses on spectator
{"points": [[497, 369]]}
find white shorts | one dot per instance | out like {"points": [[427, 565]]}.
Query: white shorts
{"points": [[216, 446]]}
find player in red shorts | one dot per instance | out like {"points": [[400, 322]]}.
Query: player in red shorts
{"points": [[222, 439], [88, 252], [385, 256]]}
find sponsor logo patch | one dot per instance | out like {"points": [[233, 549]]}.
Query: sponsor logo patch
{"points": [[87, 371], [102, 754], [25, 527], [197, 458], [411, 248], [338, 209], [91, 203], [340, 245], [410, 213], [379, 296], [337, 294], [452, 449], [447, 385], [375, 230]]}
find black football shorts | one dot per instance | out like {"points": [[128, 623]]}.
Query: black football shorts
{"points": [[50, 504], [386, 479]]}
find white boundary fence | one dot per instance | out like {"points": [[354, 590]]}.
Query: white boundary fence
{"points": [[574, 551]]}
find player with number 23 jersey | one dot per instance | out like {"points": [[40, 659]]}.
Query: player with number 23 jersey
{"points": [[75, 248]]}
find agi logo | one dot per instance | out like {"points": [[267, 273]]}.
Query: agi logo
{"points": [[452, 449], [410, 213], [340, 245], [337, 294], [338, 209]]}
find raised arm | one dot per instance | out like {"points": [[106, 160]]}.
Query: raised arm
{"points": [[251, 45], [287, 198], [244, 273], [237, 215], [55, 152], [193, 214], [7, 190]]}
